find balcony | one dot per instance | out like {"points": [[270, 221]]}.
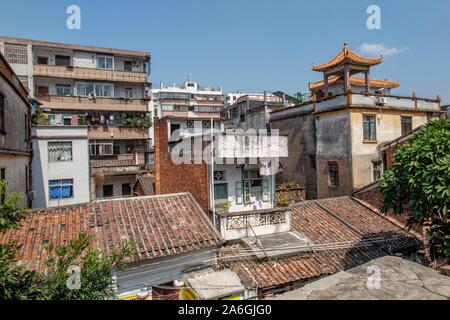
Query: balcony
{"points": [[190, 114], [84, 103], [116, 132], [69, 72], [240, 146], [239, 225]]}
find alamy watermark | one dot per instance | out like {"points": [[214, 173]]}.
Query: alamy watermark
{"points": [[374, 20], [74, 280], [374, 280], [199, 145], [74, 20]]}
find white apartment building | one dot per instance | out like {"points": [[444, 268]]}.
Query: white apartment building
{"points": [[187, 107], [103, 88], [231, 97], [60, 174]]}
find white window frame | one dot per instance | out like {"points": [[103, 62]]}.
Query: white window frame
{"points": [[94, 84], [104, 57]]}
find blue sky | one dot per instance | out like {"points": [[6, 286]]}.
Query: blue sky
{"points": [[254, 45]]}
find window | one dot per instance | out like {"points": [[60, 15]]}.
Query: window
{"points": [[174, 127], [406, 125], [190, 124], [127, 66], [61, 189], [2, 114], [126, 189], [42, 90], [206, 124], [99, 89], [100, 148], [333, 174], [105, 62], [221, 191], [62, 60], [42, 60], [370, 133], [103, 89], [59, 151], [129, 93], [254, 186], [376, 170], [108, 190], [219, 175], [63, 90]]}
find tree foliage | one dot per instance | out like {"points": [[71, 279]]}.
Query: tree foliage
{"points": [[419, 181], [74, 271]]}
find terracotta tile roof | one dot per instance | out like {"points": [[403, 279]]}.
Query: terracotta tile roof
{"points": [[346, 233], [111, 163], [161, 226], [357, 81], [346, 55], [146, 183]]}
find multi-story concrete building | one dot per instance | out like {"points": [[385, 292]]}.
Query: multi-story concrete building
{"points": [[231, 97], [61, 160], [251, 111], [334, 140], [105, 89], [186, 107], [15, 151]]}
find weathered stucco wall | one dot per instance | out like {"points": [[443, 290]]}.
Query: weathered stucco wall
{"points": [[299, 166], [333, 145], [14, 156], [388, 128]]}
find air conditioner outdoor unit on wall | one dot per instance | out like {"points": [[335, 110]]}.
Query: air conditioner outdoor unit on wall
{"points": [[381, 100]]}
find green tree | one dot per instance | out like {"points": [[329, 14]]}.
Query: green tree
{"points": [[419, 181], [15, 281], [74, 271]]}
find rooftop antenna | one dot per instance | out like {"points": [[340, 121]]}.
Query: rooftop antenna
{"points": [[188, 77]]}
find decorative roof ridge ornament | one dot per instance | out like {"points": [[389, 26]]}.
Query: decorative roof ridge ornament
{"points": [[347, 55]]}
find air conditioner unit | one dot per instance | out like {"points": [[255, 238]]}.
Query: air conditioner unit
{"points": [[381, 100], [32, 195]]}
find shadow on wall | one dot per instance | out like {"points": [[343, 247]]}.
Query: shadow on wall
{"points": [[38, 178]]}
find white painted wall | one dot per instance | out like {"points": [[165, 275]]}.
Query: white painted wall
{"points": [[117, 182], [77, 169], [232, 175]]}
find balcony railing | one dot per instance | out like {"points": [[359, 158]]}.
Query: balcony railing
{"points": [[116, 132], [259, 222], [85, 103], [70, 72]]}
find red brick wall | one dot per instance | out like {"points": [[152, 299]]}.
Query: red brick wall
{"points": [[174, 178], [390, 159]]}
